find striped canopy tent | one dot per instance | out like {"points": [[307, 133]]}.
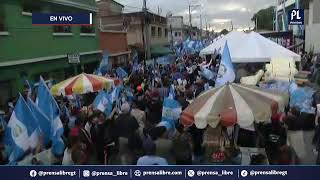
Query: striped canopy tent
{"points": [[232, 104], [82, 84]]}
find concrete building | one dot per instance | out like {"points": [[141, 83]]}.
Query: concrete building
{"points": [[281, 17], [176, 29], [133, 24], [28, 51], [312, 30], [113, 39]]}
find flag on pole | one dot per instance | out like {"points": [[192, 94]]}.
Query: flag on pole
{"points": [[226, 72], [22, 132], [104, 64], [103, 103], [121, 73], [42, 119], [29, 86], [171, 111], [50, 108]]}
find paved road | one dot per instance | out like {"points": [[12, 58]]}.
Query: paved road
{"points": [[301, 141]]}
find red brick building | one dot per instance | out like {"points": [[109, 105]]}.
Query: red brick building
{"points": [[114, 41]]}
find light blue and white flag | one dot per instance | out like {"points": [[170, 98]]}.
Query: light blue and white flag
{"points": [[171, 111], [103, 103], [29, 86], [121, 73], [226, 71], [50, 108], [172, 93], [104, 64], [22, 132], [42, 120], [115, 94]]}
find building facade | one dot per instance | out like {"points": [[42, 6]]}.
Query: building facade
{"points": [[312, 30], [176, 29], [113, 39], [28, 51], [133, 24]]}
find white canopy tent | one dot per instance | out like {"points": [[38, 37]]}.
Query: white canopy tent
{"points": [[250, 48]]}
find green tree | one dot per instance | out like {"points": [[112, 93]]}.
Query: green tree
{"points": [[264, 18]]}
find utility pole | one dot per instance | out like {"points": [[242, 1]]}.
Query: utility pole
{"points": [[256, 24], [200, 27], [146, 36], [190, 18], [231, 25], [171, 36]]}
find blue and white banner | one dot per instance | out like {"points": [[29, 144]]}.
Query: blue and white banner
{"points": [[103, 103], [60, 19], [50, 108], [104, 64], [42, 120], [22, 132], [171, 111], [121, 73], [226, 71]]}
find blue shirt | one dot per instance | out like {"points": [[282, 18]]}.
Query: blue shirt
{"points": [[151, 160]]}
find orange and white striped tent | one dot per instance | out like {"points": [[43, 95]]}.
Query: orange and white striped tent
{"points": [[82, 84], [232, 104]]}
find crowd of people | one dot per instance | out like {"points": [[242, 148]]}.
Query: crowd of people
{"points": [[134, 133]]}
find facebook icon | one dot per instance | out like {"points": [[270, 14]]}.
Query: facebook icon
{"points": [[296, 17]]}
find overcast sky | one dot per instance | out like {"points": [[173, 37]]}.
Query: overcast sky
{"points": [[217, 13]]}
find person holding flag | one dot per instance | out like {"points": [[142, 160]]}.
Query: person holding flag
{"points": [[226, 72], [22, 133]]}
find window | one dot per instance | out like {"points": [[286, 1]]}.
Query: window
{"points": [[179, 34], [153, 31], [87, 29], [166, 32], [159, 31], [62, 29], [175, 34], [30, 6]]}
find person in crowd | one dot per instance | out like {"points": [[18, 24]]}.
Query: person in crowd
{"points": [[127, 126], [150, 157], [292, 120], [258, 159], [79, 157], [287, 156], [139, 115], [154, 109], [182, 150], [72, 144]]}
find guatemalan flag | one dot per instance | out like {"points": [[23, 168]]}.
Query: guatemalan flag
{"points": [[171, 111], [103, 102], [226, 72], [22, 131], [42, 119], [121, 73], [104, 64], [50, 108]]}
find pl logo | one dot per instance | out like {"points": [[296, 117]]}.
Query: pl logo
{"points": [[296, 17]]}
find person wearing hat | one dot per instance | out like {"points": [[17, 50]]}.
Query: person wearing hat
{"points": [[150, 158]]}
